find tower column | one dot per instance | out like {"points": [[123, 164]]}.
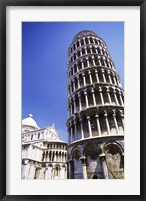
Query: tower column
{"points": [[109, 77], [74, 100], [82, 64], [84, 167], [98, 124], [89, 126], [88, 65], [84, 80], [79, 43], [117, 103], [90, 77], [75, 130], [114, 80], [96, 74], [107, 123], [80, 105], [71, 133], [86, 50], [103, 76], [93, 62], [93, 96], [71, 111], [91, 50], [86, 99], [122, 117], [109, 97], [77, 67], [99, 61], [121, 99], [104, 165], [81, 125], [78, 82], [74, 88], [115, 121], [101, 95]]}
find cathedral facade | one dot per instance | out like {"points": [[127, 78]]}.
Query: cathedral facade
{"points": [[44, 155], [96, 111]]}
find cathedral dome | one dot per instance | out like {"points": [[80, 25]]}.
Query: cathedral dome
{"points": [[29, 123]]}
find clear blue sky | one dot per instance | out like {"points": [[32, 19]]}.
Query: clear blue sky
{"points": [[44, 66]]}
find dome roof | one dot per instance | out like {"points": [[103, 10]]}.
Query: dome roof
{"points": [[29, 122]]}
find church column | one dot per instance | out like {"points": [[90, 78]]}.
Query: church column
{"points": [[25, 170], [62, 172], [54, 156], [31, 171], [53, 172], [29, 150], [46, 173], [49, 171]]}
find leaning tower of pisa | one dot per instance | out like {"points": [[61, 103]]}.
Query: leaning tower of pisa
{"points": [[96, 111]]}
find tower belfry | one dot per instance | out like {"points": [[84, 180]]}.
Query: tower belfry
{"points": [[96, 111]]}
